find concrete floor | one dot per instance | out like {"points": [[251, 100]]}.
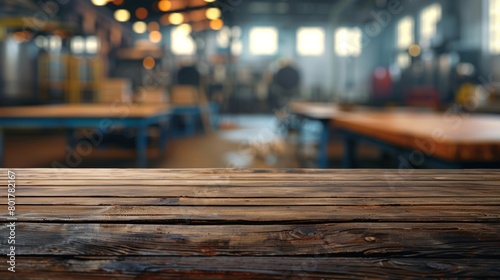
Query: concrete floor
{"points": [[252, 141]]}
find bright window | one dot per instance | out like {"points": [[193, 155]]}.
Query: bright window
{"points": [[310, 41], [236, 47], [495, 26], [77, 45], [223, 37], [348, 41], [182, 43], [92, 45], [237, 44], [227, 35], [263, 41], [429, 19], [405, 35], [403, 60]]}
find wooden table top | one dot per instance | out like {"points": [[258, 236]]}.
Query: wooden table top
{"points": [[451, 137], [83, 111], [315, 110], [253, 224]]}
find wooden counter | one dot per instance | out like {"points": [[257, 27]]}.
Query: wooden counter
{"points": [[253, 224]]}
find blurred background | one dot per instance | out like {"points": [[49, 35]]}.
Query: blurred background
{"points": [[245, 59]]}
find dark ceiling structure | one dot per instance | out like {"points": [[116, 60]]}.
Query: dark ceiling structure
{"points": [[235, 11]]}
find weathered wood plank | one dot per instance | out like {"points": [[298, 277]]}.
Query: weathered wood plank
{"points": [[257, 174], [133, 224], [150, 267], [276, 201], [244, 183], [288, 214], [253, 192], [435, 240]]}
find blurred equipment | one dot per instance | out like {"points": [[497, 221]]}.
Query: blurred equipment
{"points": [[426, 96], [382, 84], [188, 75], [286, 83], [17, 74]]}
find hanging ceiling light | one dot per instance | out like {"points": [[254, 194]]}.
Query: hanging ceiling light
{"points": [[148, 62], [213, 13], [216, 24], [139, 27], [176, 18], [122, 15], [414, 50], [141, 13], [155, 36], [99, 2], [185, 28], [164, 5]]}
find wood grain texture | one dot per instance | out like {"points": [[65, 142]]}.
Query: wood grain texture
{"points": [[341, 239], [254, 224], [164, 267]]}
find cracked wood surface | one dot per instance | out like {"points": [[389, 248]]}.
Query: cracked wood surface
{"points": [[253, 224]]}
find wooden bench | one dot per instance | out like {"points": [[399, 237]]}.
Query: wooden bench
{"points": [[252, 224]]}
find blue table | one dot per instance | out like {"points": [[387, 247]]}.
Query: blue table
{"points": [[323, 113], [103, 117], [192, 114]]}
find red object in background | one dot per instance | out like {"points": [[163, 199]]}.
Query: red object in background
{"points": [[382, 82], [426, 96]]}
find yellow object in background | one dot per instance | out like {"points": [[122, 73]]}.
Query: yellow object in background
{"points": [[465, 93], [472, 94]]}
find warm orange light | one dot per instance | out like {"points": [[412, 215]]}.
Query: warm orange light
{"points": [[141, 13], [216, 24], [148, 63], [164, 19], [117, 2], [153, 26], [197, 15], [200, 25], [155, 36], [414, 50], [164, 5], [22, 36]]}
